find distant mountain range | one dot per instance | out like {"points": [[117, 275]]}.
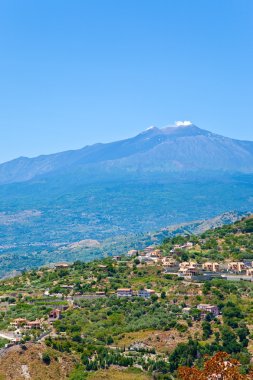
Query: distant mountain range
{"points": [[114, 195], [177, 149]]}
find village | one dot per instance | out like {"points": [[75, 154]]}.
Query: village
{"points": [[22, 328], [191, 270]]}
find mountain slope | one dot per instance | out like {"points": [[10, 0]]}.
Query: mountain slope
{"points": [[172, 149]]}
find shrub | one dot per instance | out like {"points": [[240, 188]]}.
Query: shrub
{"points": [[46, 358]]}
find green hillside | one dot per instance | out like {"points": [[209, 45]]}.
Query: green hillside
{"points": [[109, 336]]}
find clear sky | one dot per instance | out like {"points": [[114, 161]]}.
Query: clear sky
{"points": [[76, 72]]}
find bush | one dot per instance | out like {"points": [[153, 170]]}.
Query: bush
{"points": [[46, 358], [78, 374]]}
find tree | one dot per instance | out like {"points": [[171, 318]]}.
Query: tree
{"points": [[242, 333], [184, 354], [229, 341], [163, 295], [220, 367], [154, 297], [46, 358], [206, 287], [207, 330]]}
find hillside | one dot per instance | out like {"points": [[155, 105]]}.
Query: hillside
{"points": [[26, 362], [154, 151], [19, 251], [138, 310]]}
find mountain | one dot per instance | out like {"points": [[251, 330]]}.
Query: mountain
{"points": [[111, 193], [182, 148]]}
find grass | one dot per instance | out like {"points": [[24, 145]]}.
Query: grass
{"points": [[119, 374], [137, 336], [13, 360], [162, 341]]}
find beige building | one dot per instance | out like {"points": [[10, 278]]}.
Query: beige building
{"points": [[33, 325], [249, 272], [237, 266], [61, 265], [211, 267], [132, 252], [188, 272], [188, 264], [169, 262], [18, 322]]}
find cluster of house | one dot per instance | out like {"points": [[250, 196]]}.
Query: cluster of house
{"points": [[21, 324], [234, 267], [178, 248], [204, 309], [152, 254], [149, 255], [241, 267], [188, 269], [128, 292], [191, 269]]}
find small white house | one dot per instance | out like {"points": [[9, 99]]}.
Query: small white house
{"points": [[146, 293], [132, 252], [206, 308], [124, 292]]}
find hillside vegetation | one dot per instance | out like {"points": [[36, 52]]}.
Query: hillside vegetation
{"points": [[28, 362], [112, 337], [232, 241]]}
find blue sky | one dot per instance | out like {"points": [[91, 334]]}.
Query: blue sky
{"points": [[76, 72]]}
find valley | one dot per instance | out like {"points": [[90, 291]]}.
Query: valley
{"points": [[40, 221]]}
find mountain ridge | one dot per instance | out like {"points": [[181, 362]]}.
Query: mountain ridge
{"points": [[166, 150]]}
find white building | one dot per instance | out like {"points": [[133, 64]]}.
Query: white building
{"points": [[132, 252], [146, 293], [207, 308], [124, 292]]}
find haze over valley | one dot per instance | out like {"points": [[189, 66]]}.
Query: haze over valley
{"points": [[114, 194]]}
